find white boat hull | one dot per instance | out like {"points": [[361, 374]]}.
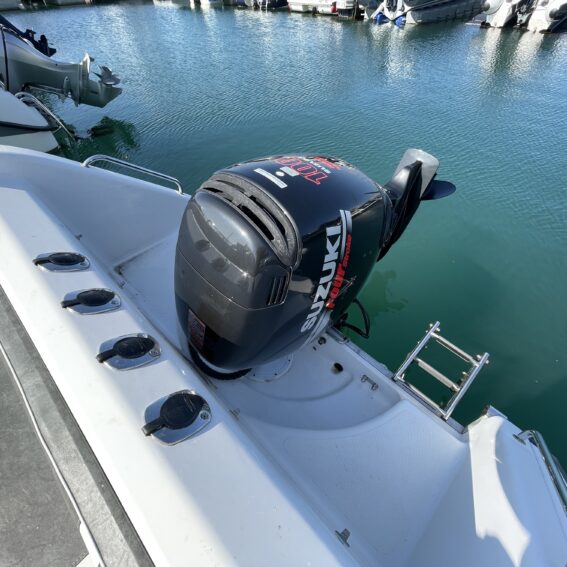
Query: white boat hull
{"points": [[325, 7], [27, 125], [548, 17], [537, 16], [209, 3], [417, 12], [331, 463]]}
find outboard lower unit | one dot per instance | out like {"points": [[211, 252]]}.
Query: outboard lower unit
{"points": [[271, 252]]}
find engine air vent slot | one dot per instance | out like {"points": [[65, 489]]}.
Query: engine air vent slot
{"points": [[278, 290], [262, 212]]}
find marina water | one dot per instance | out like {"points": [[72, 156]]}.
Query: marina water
{"points": [[206, 88]]}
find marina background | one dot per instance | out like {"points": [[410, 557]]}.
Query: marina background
{"points": [[207, 88]]}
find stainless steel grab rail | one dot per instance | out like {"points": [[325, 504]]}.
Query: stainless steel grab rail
{"points": [[555, 472], [31, 100], [102, 158]]}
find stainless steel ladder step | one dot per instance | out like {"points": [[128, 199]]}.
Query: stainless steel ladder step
{"points": [[458, 389]]}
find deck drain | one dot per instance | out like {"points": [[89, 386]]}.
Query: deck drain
{"points": [[129, 351], [91, 301], [62, 262], [176, 417]]}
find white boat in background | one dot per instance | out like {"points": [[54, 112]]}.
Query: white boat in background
{"points": [[326, 7], [350, 9], [501, 13], [403, 12], [533, 15], [543, 16], [266, 4], [209, 3], [321, 457]]}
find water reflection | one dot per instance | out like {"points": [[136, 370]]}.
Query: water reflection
{"points": [[398, 61], [110, 136], [378, 297], [510, 53], [403, 49]]}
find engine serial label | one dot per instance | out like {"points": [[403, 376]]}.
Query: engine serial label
{"points": [[333, 272]]}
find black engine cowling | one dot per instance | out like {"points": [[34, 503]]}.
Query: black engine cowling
{"points": [[271, 252]]}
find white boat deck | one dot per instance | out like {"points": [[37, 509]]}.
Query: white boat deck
{"points": [[286, 465], [374, 462]]}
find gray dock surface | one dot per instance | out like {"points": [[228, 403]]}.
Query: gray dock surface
{"points": [[38, 524]]}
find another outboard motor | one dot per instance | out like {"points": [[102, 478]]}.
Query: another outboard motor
{"points": [[272, 252], [26, 63], [41, 44]]}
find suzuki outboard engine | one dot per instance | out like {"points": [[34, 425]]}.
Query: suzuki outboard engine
{"points": [[272, 252]]}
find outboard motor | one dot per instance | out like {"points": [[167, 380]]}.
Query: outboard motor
{"points": [[271, 252], [25, 63], [41, 44]]}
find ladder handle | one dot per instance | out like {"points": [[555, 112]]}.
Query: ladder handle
{"points": [[466, 384], [455, 349], [436, 374], [411, 356]]}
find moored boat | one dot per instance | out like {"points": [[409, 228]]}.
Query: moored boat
{"points": [[500, 14], [266, 4], [350, 9], [542, 16], [531, 15], [209, 3], [124, 346], [401, 12], [327, 7]]}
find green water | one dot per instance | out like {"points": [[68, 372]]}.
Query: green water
{"points": [[203, 89]]}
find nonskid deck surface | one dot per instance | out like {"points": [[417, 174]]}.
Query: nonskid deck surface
{"points": [[38, 525]]}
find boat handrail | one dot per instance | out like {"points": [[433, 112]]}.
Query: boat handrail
{"points": [[31, 100], [108, 159], [553, 468]]}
